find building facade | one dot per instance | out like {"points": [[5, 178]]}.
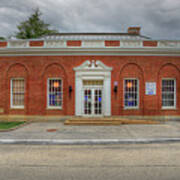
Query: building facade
{"points": [[90, 74]]}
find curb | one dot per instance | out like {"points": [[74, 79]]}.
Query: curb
{"points": [[88, 141]]}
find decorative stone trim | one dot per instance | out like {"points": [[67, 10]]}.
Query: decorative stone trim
{"points": [[131, 44], [163, 44], [54, 43], [89, 43], [92, 43], [18, 44]]}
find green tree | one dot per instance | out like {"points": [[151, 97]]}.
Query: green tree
{"points": [[34, 27], [2, 38]]}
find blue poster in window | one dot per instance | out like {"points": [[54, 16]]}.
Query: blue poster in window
{"points": [[86, 98], [150, 88]]}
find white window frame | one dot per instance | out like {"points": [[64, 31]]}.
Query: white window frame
{"points": [[169, 107], [54, 107], [128, 107], [11, 93]]}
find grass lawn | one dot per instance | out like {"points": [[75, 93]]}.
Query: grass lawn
{"points": [[8, 125]]}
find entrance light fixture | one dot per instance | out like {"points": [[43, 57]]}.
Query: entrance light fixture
{"points": [[115, 86], [70, 89]]}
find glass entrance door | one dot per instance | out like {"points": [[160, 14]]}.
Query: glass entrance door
{"points": [[92, 101]]}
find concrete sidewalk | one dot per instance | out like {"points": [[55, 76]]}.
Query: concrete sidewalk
{"points": [[38, 133]]}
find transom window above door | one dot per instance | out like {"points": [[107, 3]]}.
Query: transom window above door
{"points": [[54, 93], [92, 82]]}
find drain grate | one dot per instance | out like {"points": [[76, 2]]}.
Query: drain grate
{"points": [[51, 130]]}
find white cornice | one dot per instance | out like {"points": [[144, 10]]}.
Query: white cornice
{"points": [[90, 51]]}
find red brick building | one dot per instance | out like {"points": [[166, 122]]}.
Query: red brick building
{"points": [[90, 74]]}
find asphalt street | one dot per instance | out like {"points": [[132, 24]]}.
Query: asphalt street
{"points": [[111, 162]]}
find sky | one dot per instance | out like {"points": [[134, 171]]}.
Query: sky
{"points": [[158, 19]]}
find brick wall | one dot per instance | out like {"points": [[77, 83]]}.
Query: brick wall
{"points": [[36, 43], [112, 43], [150, 43], [37, 69], [3, 44], [73, 43]]}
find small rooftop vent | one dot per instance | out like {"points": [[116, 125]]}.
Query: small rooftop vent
{"points": [[134, 30]]}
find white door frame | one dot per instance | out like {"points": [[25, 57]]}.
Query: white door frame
{"points": [[93, 70]]}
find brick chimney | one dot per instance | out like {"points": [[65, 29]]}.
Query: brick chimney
{"points": [[134, 30]]}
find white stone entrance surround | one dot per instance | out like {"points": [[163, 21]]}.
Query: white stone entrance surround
{"points": [[93, 70]]}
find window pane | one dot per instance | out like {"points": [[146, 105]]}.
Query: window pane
{"points": [[131, 93], [55, 93], [168, 93]]}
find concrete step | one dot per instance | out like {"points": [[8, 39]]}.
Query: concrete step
{"points": [[91, 123], [98, 121], [93, 120]]}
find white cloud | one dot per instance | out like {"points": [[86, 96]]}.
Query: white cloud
{"points": [[158, 18]]}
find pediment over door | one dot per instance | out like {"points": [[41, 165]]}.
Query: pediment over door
{"points": [[93, 66]]}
